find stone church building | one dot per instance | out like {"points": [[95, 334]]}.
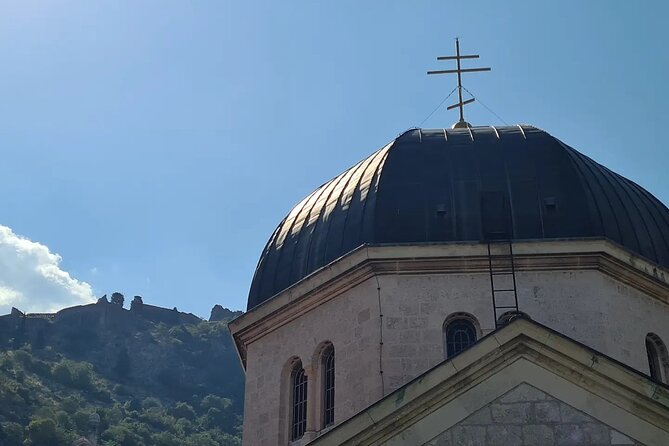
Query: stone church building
{"points": [[466, 286]]}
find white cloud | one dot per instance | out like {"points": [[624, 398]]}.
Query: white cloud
{"points": [[31, 279]]}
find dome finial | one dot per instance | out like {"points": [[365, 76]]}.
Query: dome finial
{"points": [[461, 123]]}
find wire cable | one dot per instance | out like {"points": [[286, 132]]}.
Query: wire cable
{"points": [[438, 107], [486, 107]]}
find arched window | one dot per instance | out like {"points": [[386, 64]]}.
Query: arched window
{"points": [[328, 367], [459, 333], [658, 358], [299, 401]]}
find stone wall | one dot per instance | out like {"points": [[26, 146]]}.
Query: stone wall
{"points": [[586, 305], [351, 324], [163, 315], [526, 416], [103, 314]]}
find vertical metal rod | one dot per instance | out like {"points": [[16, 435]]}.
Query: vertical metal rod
{"points": [[513, 274], [492, 287], [457, 55]]}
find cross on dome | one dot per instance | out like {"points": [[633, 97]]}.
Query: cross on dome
{"points": [[459, 70]]}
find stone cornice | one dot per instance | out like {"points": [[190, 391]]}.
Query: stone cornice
{"points": [[459, 258]]}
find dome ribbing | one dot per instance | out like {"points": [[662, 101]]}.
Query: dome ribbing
{"points": [[438, 186]]}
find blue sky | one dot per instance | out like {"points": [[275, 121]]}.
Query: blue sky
{"points": [[155, 145]]}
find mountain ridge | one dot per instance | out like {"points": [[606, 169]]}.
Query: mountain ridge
{"points": [[153, 376]]}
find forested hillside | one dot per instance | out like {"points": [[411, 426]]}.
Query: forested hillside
{"points": [[119, 382]]}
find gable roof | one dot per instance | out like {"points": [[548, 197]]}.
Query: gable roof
{"points": [[521, 352]]}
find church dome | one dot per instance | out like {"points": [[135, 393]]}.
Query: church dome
{"points": [[433, 186]]}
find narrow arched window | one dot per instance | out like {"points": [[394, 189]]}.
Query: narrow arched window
{"points": [[299, 402], [653, 360], [658, 358], [328, 367], [459, 334]]}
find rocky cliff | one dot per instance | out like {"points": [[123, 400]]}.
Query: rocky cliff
{"points": [[145, 352]]}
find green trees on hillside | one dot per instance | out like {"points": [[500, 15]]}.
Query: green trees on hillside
{"points": [[11, 434], [75, 374], [45, 432], [47, 399]]}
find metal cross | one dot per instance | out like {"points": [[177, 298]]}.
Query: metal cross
{"points": [[459, 71]]}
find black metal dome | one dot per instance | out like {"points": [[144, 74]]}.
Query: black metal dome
{"points": [[442, 185]]}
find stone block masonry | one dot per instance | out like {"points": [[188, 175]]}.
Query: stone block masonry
{"points": [[526, 416]]}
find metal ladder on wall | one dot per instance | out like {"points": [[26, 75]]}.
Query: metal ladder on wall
{"points": [[502, 280]]}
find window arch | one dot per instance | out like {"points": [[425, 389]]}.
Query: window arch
{"points": [[459, 333], [298, 418], [328, 380], [658, 358]]}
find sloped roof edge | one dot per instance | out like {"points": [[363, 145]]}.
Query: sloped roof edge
{"points": [[521, 343]]}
